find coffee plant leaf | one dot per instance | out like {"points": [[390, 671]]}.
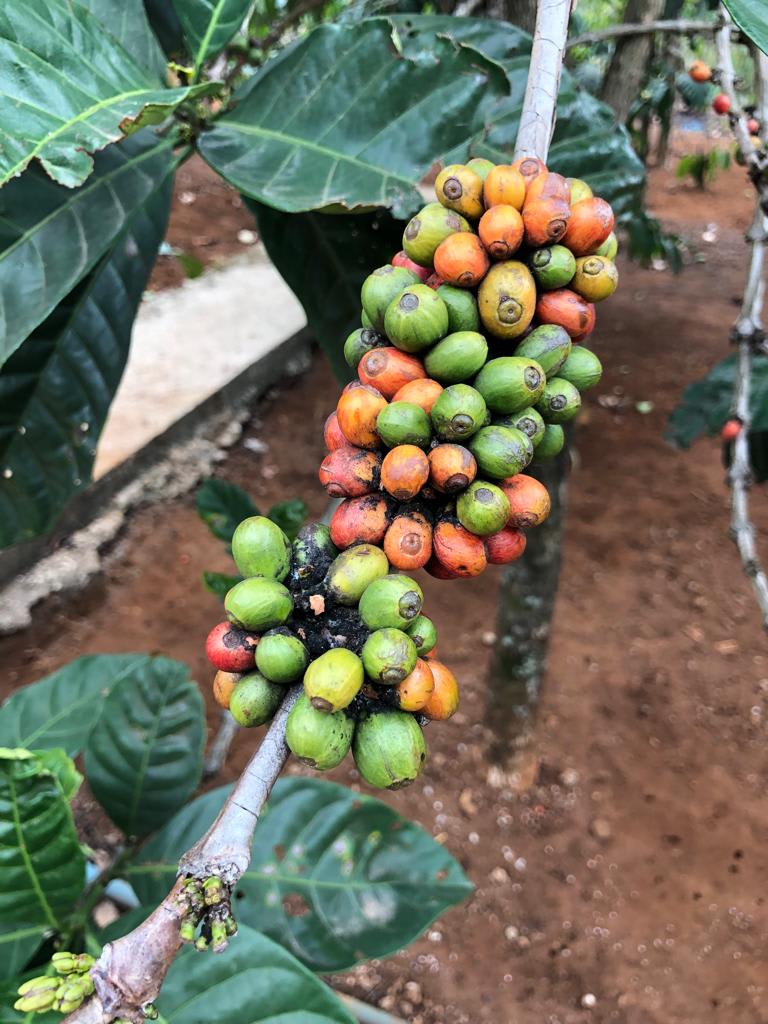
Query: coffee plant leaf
{"points": [[144, 759], [222, 505], [69, 88], [39, 220], [325, 258], [56, 389], [208, 25], [290, 515], [749, 15], [18, 943], [128, 23], [705, 404], [346, 118], [219, 583], [42, 867], [336, 877], [61, 710], [256, 981]]}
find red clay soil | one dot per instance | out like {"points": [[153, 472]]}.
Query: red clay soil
{"points": [[628, 883]]}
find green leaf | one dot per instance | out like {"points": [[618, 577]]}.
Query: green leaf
{"points": [[42, 868], [222, 505], [128, 23], [61, 709], [55, 391], [63, 769], [145, 758], [256, 981], [290, 516], [750, 16], [209, 25], [336, 877], [18, 944], [325, 258], [218, 583], [68, 88], [344, 117], [51, 236], [706, 404], [166, 26]]}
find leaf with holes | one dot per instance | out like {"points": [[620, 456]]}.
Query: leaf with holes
{"points": [[18, 943], [325, 258], [145, 758], [706, 404], [750, 16], [61, 709], [68, 88], [42, 868], [51, 236], [222, 505], [256, 981], [335, 877], [209, 24], [342, 117], [56, 389]]}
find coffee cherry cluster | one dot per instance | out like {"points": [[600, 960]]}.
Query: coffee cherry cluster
{"points": [[352, 630], [469, 361]]}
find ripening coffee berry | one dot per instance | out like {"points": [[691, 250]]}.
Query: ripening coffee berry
{"points": [[230, 649]]}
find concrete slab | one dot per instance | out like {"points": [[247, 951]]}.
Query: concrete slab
{"points": [[188, 343]]}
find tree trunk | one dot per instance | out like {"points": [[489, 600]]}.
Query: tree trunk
{"points": [[627, 69], [519, 12], [526, 603]]}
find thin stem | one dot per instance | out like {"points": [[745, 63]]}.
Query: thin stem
{"points": [[680, 26], [537, 119]]}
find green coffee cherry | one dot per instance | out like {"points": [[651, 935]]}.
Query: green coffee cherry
{"points": [[260, 548], [281, 657], [333, 680], [457, 357], [424, 232], [353, 571], [560, 401], [393, 601], [551, 443], [358, 343], [380, 288], [255, 700], [548, 345], [463, 314], [501, 451], [553, 266], [258, 604], [529, 421], [582, 368], [510, 383], [404, 423], [366, 321], [389, 655], [481, 166], [458, 413], [416, 319], [609, 248], [389, 749], [423, 633], [483, 508], [318, 739]]}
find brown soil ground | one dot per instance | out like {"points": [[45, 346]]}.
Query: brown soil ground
{"points": [[628, 883]]}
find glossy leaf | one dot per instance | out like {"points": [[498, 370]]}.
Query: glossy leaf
{"points": [[345, 117], [129, 24], [68, 88], [18, 943], [42, 868], [208, 25], [336, 877], [706, 404], [51, 236], [55, 391], [255, 981], [61, 709], [325, 258], [222, 505], [167, 27], [290, 515], [750, 16], [218, 583], [145, 758]]}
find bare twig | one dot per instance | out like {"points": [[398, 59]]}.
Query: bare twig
{"points": [[680, 26], [222, 741], [748, 331], [537, 120]]}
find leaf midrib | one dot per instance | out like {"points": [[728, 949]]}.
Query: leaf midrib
{"points": [[44, 904]]}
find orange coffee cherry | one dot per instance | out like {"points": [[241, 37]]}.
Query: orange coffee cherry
{"points": [[408, 541], [505, 546], [357, 411], [388, 369], [443, 702], [332, 435], [700, 71], [223, 685], [530, 167], [590, 223], [504, 185], [545, 220], [548, 185], [460, 551], [404, 471], [350, 472], [461, 260], [416, 689], [567, 309], [452, 468], [501, 231], [420, 392], [436, 569], [360, 521], [528, 498]]}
